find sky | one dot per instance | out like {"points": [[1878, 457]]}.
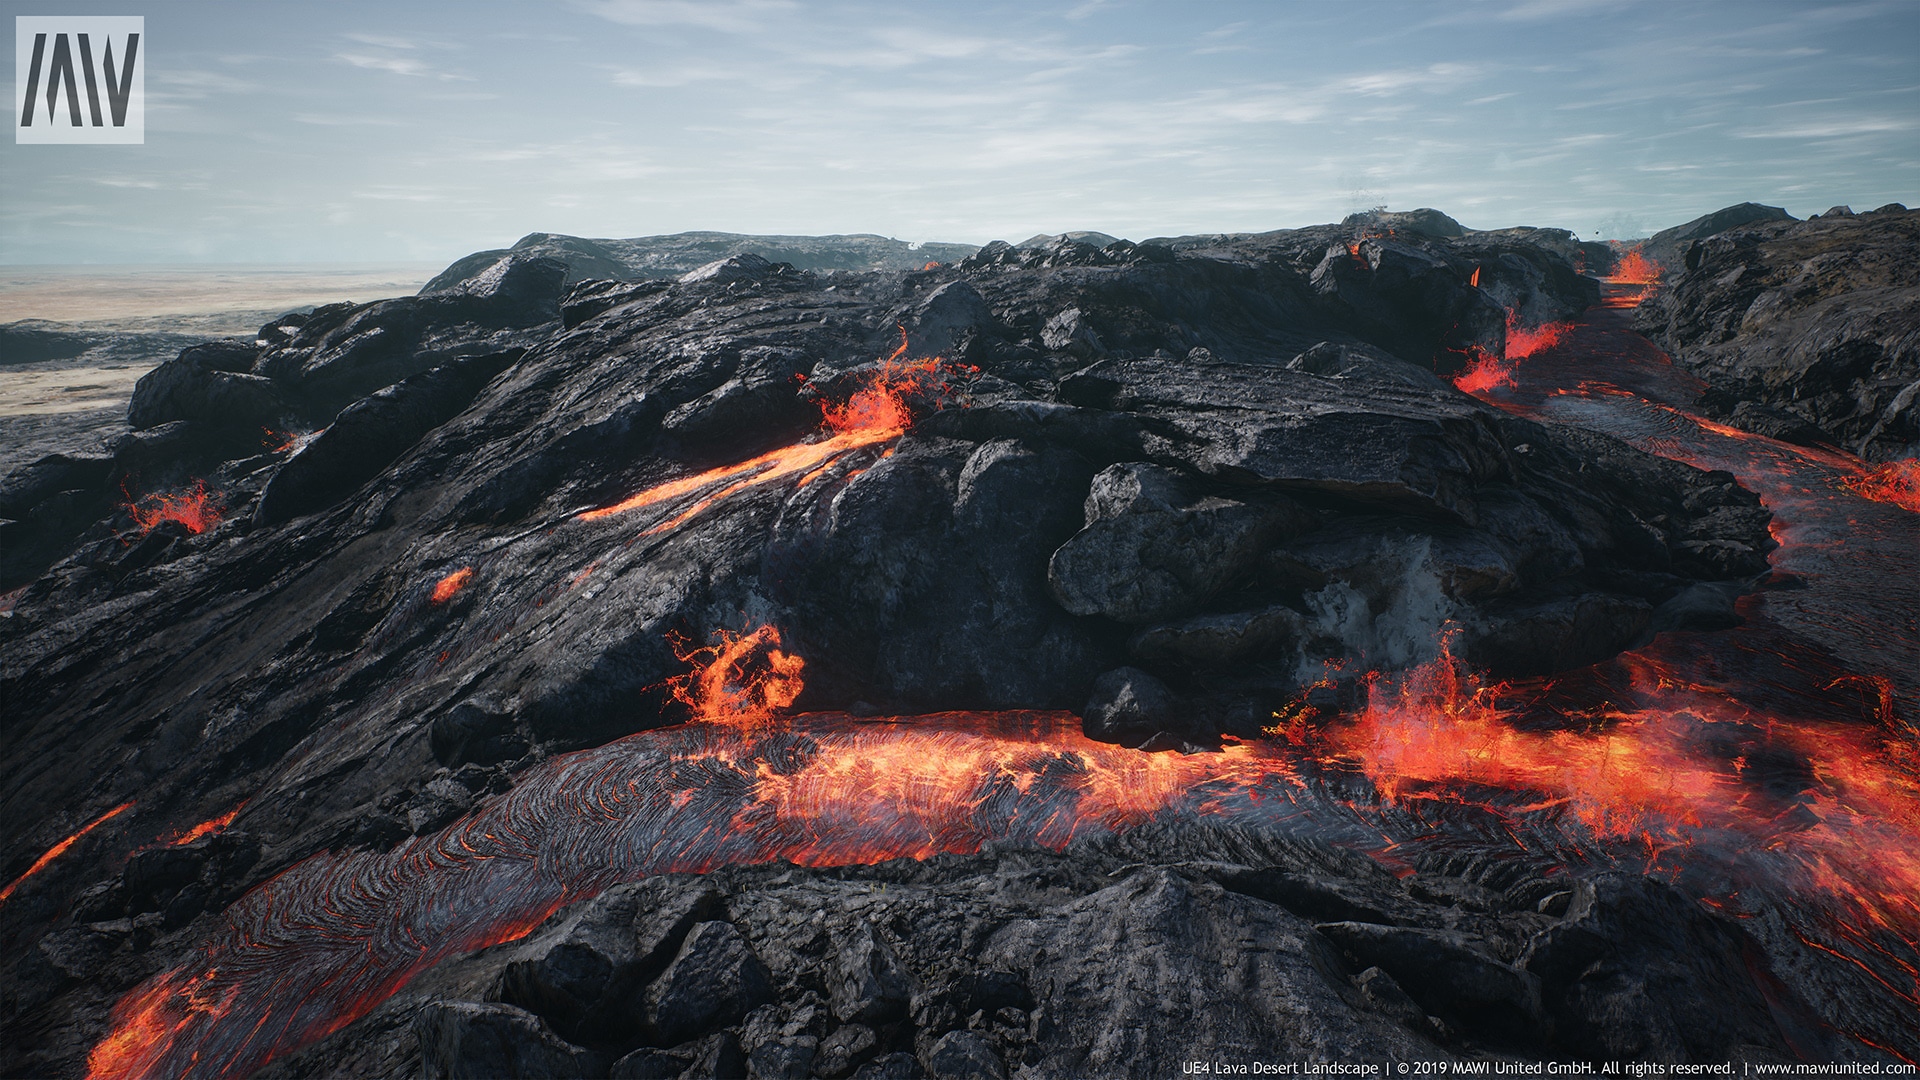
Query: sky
{"points": [[363, 133]]}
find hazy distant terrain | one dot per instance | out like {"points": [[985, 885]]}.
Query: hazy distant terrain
{"points": [[74, 339], [210, 301]]}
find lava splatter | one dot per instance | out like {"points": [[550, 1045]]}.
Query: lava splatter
{"points": [[195, 508]]}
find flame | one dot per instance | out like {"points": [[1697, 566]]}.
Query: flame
{"points": [[196, 508], [1896, 482], [739, 677], [1634, 268], [60, 848], [879, 411], [449, 587], [1484, 372], [1524, 341]]}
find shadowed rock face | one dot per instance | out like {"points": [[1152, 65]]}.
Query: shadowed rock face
{"points": [[1228, 453], [1807, 330]]}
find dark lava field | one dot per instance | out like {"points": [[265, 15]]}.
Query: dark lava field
{"points": [[1367, 643]]}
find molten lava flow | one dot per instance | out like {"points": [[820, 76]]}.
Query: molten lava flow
{"points": [[332, 937], [1896, 482], [60, 848], [878, 411], [744, 677], [210, 827], [1484, 372], [449, 587], [1474, 281], [1634, 268], [1524, 341], [195, 508]]}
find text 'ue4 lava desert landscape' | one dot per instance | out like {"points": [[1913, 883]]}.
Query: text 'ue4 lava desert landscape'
{"points": [[712, 655]]}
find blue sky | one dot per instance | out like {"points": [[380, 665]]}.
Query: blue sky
{"points": [[376, 132]]}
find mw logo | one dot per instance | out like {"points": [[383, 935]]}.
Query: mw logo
{"points": [[80, 79]]}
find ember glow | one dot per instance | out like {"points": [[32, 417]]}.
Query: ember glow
{"points": [[1896, 482], [449, 587], [287, 442], [195, 508], [739, 677], [1524, 341], [332, 937], [60, 848], [1634, 268], [210, 827], [878, 411], [1486, 371]]}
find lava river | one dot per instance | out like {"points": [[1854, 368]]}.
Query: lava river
{"points": [[1766, 770]]}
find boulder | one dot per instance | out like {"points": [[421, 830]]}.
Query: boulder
{"points": [[1129, 705], [715, 981], [207, 385]]}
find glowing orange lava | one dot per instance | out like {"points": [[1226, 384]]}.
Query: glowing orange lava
{"points": [[1634, 268], [739, 677], [210, 827], [1896, 482], [196, 508], [60, 848], [449, 587], [879, 411], [1474, 281], [1524, 341], [1484, 372]]}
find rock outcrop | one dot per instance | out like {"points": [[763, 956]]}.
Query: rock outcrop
{"points": [[1806, 330]]}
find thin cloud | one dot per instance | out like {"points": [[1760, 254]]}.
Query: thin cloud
{"points": [[736, 17], [396, 65]]}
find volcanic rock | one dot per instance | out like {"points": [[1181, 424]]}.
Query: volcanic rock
{"points": [[671, 256], [202, 386], [1015, 957], [337, 356], [714, 982], [461, 1040], [1635, 971], [1805, 330], [472, 595], [366, 436], [1129, 705], [1667, 247], [963, 1055]]}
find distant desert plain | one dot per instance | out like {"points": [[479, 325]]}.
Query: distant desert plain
{"points": [[135, 317]]}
